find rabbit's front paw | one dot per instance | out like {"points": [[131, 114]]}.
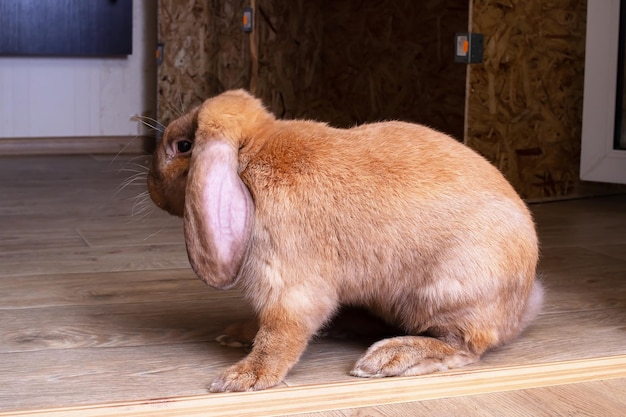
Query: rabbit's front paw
{"points": [[244, 377]]}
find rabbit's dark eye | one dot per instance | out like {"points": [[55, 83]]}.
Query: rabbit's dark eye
{"points": [[183, 146]]}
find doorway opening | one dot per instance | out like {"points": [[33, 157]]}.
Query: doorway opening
{"points": [[345, 62]]}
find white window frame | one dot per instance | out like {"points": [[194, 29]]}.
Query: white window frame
{"points": [[599, 160]]}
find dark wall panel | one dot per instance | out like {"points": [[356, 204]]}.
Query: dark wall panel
{"points": [[65, 27]]}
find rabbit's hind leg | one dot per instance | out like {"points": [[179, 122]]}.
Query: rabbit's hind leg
{"points": [[240, 334], [411, 355]]}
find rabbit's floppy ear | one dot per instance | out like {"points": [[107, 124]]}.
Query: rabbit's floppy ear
{"points": [[218, 212]]}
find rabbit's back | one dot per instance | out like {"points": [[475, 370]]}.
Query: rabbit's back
{"points": [[392, 214]]}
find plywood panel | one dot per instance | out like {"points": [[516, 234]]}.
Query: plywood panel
{"points": [[344, 62], [205, 53], [351, 62], [394, 60], [290, 40], [185, 77], [525, 101]]}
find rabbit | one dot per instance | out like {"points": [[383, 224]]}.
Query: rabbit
{"points": [[305, 218]]}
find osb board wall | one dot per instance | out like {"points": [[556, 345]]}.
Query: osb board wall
{"points": [[351, 61], [290, 41], [183, 27], [394, 59], [348, 61], [525, 100], [205, 53], [341, 61]]}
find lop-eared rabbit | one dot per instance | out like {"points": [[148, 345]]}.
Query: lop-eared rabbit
{"points": [[394, 217]]}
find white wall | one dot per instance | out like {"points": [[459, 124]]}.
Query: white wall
{"points": [[49, 97]]}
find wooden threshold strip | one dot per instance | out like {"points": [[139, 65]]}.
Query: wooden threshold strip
{"points": [[77, 145], [360, 393]]}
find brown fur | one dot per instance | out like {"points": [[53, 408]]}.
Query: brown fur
{"points": [[395, 217]]}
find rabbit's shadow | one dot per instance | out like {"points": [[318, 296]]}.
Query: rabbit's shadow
{"points": [[204, 318], [199, 318]]}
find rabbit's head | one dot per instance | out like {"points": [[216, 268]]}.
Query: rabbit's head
{"points": [[195, 175], [167, 178]]}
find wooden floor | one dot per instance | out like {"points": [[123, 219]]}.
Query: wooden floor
{"points": [[98, 306]]}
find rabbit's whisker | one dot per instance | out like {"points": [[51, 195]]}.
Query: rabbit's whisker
{"points": [[134, 180], [150, 236], [150, 123]]}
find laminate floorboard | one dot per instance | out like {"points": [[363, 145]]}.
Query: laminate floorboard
{"points": [[98, 303], [590, 399]]}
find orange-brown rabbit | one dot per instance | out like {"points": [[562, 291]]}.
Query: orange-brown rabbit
{"points": [[394, 217]]}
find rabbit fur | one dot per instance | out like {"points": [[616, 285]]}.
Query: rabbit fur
{"points": [[394, 217]]}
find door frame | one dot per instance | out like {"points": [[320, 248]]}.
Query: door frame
{"points": [[599, 160]]}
